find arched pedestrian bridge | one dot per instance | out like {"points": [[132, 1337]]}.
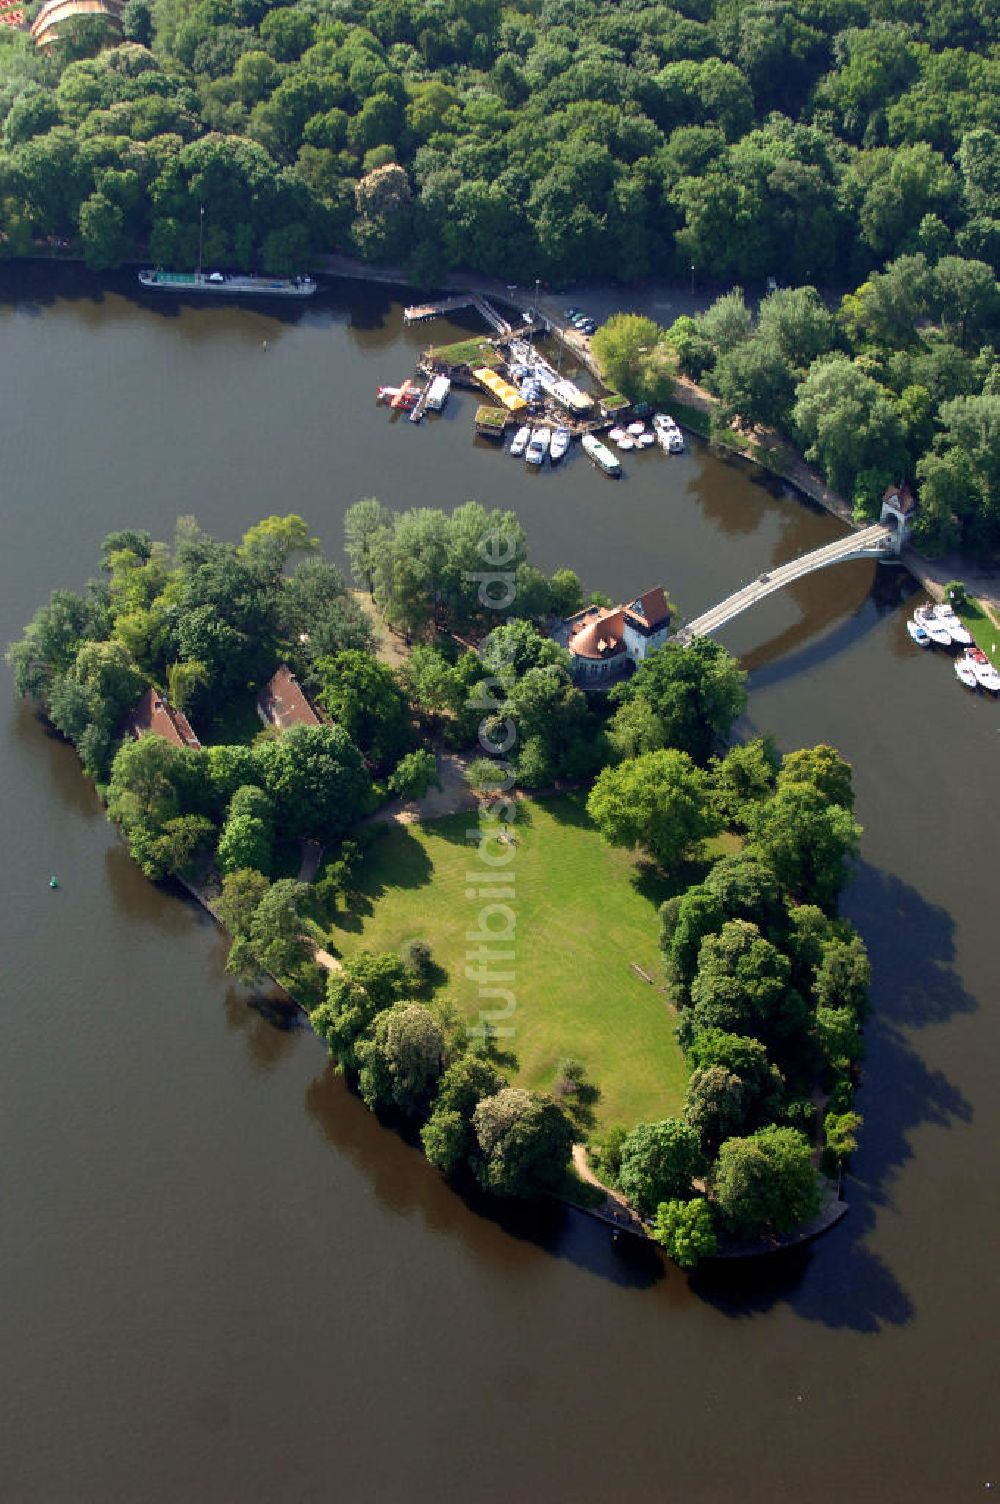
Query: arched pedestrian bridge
{"points": [[880, 541]]}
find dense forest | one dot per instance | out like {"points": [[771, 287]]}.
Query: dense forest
{"points": [[813, 142]]}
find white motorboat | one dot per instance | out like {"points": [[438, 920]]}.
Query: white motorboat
{"points": [[616, 434], [601, 454], [668, 435], [635, 429], [946, 616], [559, 445], [918, 633], [519, 443], [626, 441], [986, 674], [644, 440], [965, 673], [538, 447], [936, 631]]}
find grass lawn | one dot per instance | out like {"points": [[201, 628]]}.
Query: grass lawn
{"points": [[584, 912]]}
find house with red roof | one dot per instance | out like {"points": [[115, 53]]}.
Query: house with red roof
{"points": [[155, 715], [283, 702]]}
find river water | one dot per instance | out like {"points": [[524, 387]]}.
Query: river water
{"points": [[220, 1279]]}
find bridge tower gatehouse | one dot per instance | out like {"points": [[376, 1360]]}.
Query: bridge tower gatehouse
{"points": [[898, 506]]}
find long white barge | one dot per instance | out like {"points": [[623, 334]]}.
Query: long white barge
{"points": [[231, 284]]}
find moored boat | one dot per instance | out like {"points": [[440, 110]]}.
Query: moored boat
{"points": [[559, 445], [519, 443], [538, 446], [946, 616], [600, 454], [644, 440], [626, 441], [965, 673], [437, 393], [918, 634], [668, 435], [228, 284], [635, 429], [936, 631], [986, 674]]}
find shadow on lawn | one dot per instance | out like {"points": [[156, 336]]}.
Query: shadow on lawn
{"points": [[394, 859], [569, 809]]}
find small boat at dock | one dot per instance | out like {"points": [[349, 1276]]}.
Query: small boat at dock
{"points": [[538, 447], [559, 445], [936, 631], [918, 634], [966, 674], [946, 616], [437, 393], [601, 455], [668, 435], [519, 443], [986, 675]]}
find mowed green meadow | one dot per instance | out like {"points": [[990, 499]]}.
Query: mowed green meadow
{"points": [[584, 913]]}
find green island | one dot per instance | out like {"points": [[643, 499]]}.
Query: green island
{"points": [[614, 934]]}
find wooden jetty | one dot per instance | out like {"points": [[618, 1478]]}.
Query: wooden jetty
{"points": [[421, 407], [419, 313]]}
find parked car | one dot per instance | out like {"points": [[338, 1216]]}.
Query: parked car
{"points": [[588, 326], [572, 313], [579, 321]]}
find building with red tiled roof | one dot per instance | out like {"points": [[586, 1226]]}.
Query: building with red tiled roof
{"points": [[283, 702], [603, 641], [155, 715]]}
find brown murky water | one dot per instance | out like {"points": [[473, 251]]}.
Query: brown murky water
{"points": [[220, 1280]]}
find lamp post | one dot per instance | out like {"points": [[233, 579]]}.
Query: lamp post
{"points": [[538, 283], [201, 232], [692, 279]]}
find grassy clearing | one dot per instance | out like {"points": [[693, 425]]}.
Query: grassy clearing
{"points": [[584, 913]]}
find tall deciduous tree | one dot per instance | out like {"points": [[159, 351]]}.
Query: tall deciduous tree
{"points": [[523, 1142], [659, 1162], [658, 801], [403, 1059], [697, 693], [766, 1183]]}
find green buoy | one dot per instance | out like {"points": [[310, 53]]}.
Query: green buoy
{"points": [[53, 882]]}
